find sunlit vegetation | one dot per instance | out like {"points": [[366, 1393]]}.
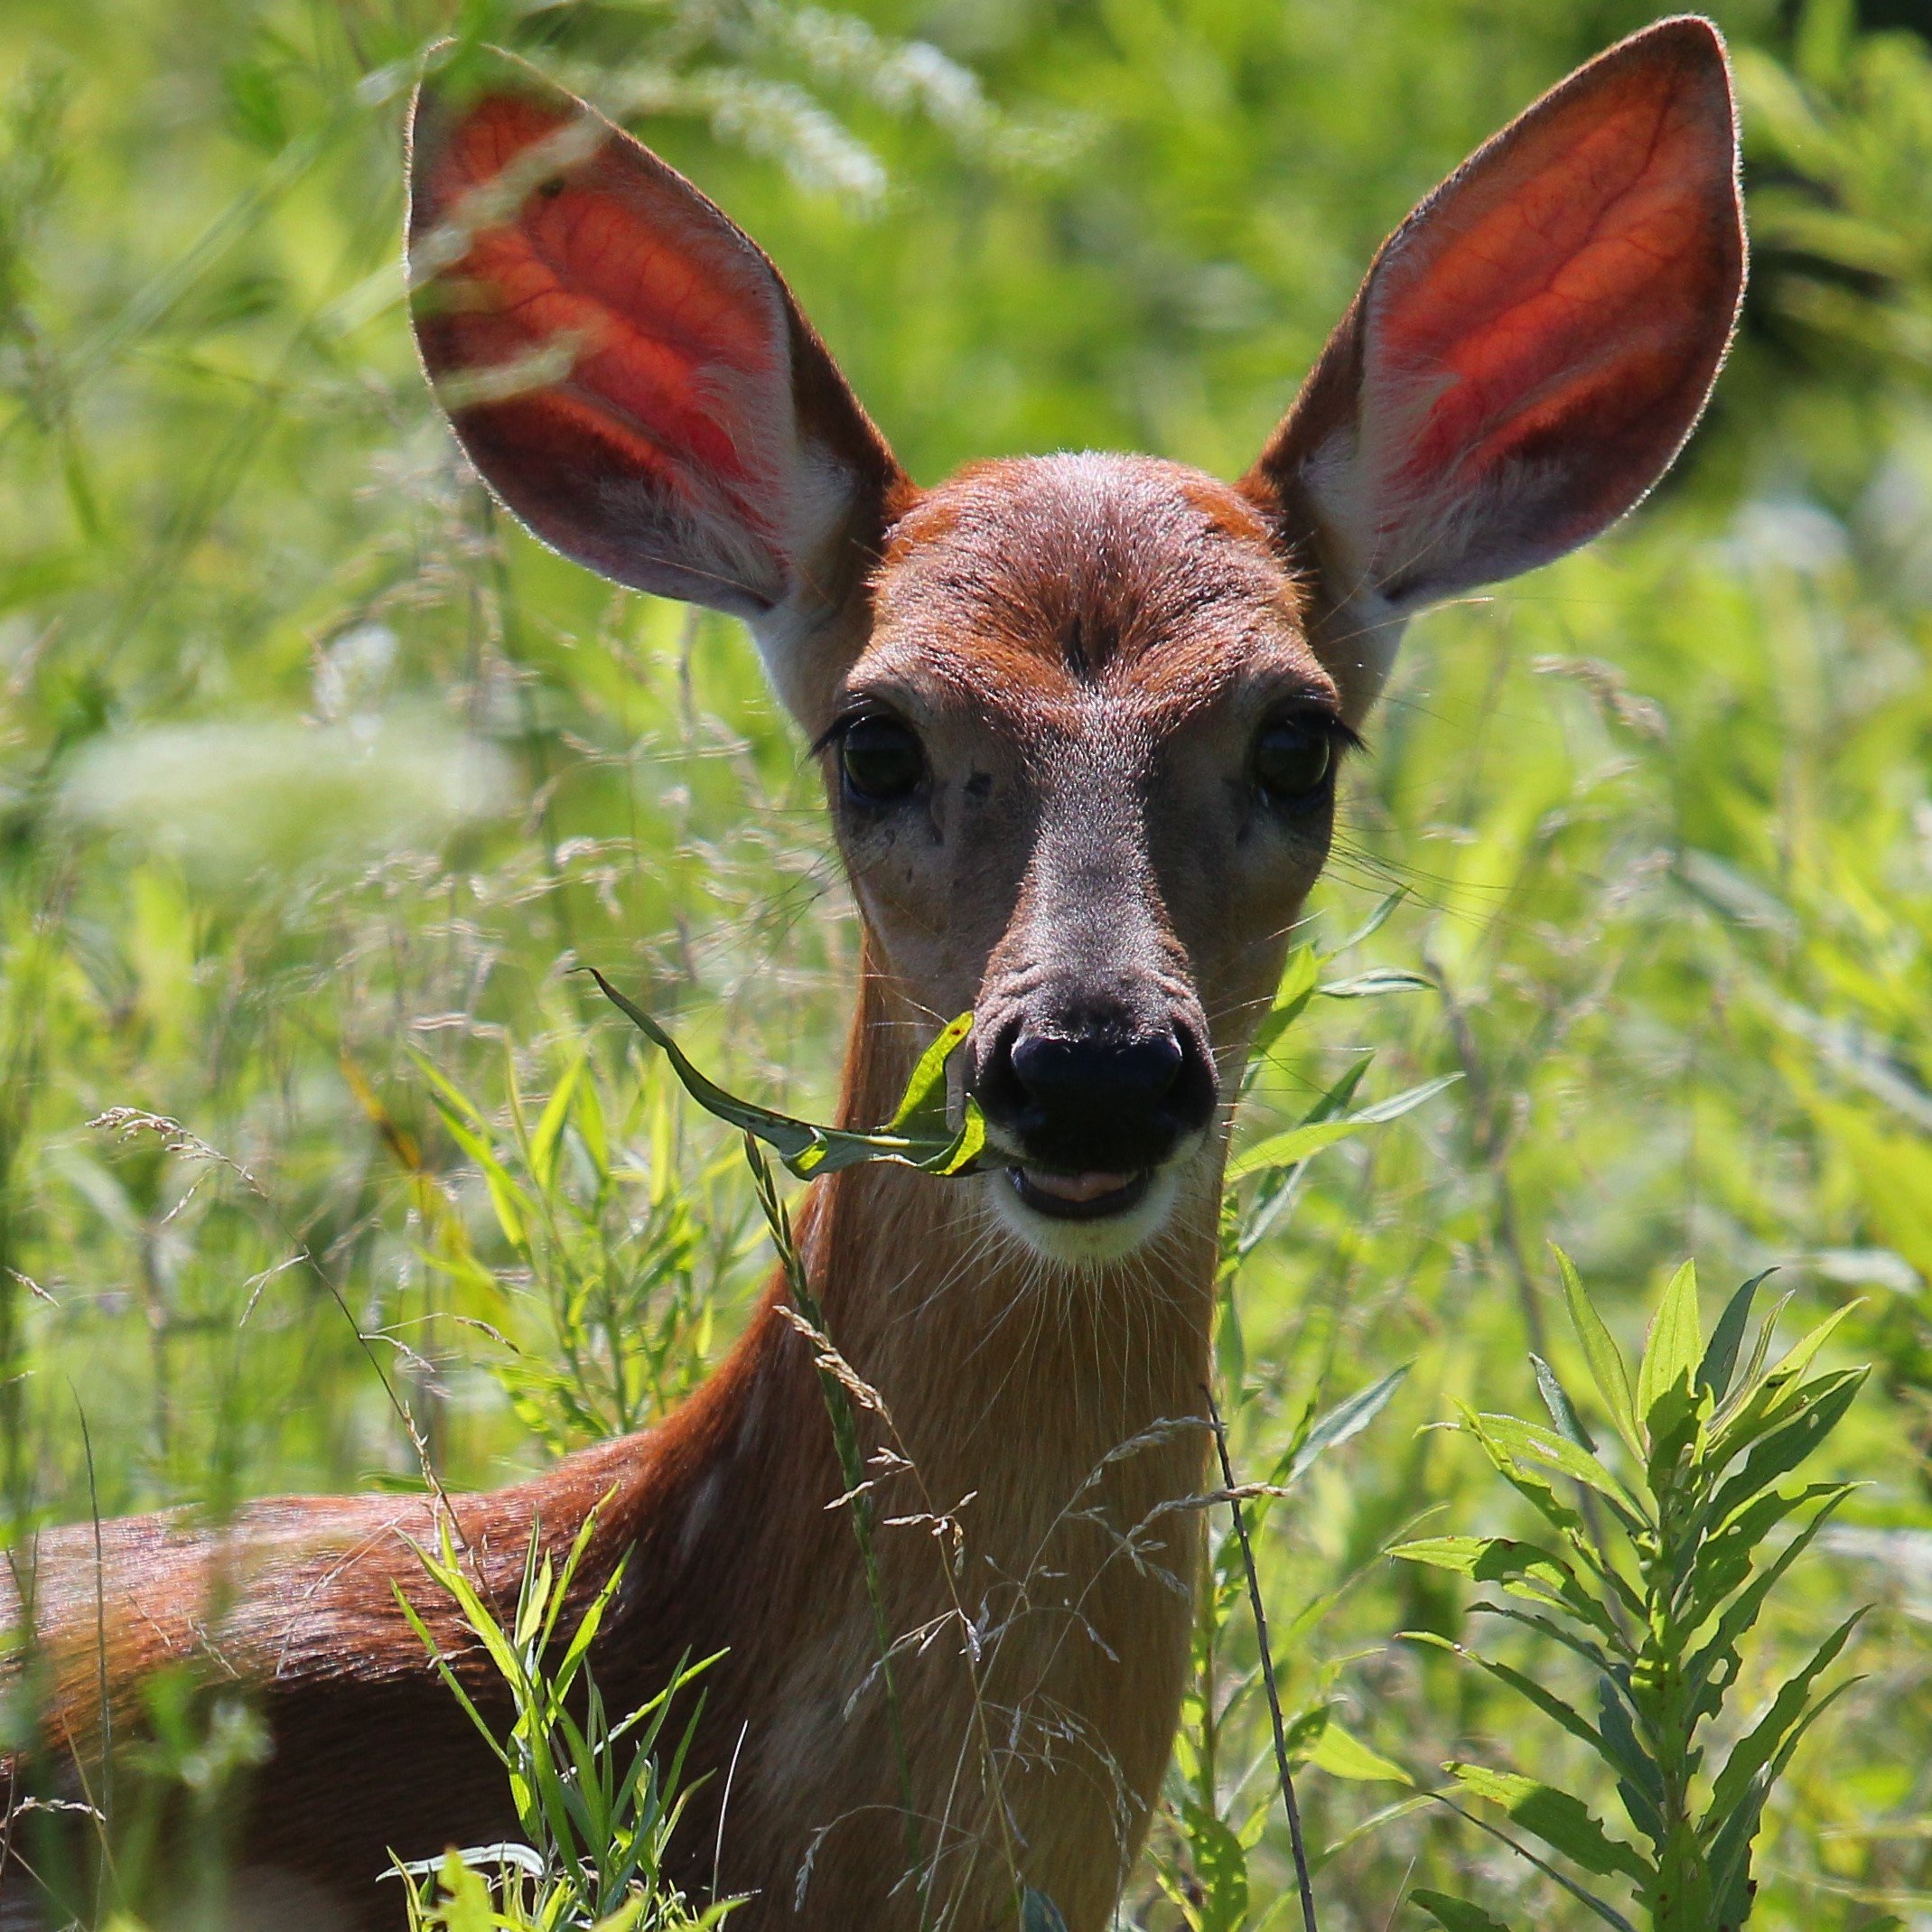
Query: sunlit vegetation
{"points": [[321, 1166]]}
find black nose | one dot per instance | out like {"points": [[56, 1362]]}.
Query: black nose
{"points": [[1097, 1099], [1094, 1074]]}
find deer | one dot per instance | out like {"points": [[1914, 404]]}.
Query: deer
{"points": [[1080, 718]]}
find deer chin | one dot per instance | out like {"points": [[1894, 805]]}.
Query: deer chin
{"points": [[1086, 1219]]}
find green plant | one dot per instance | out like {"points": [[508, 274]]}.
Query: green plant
{"points": [[917, 1136], [595, 1820], [1213, 1818], [624, 1253], [1663, 809], [1653, 1578]]}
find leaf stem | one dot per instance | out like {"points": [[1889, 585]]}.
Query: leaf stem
{"points": [[852, 1468], [1267, 1665]]}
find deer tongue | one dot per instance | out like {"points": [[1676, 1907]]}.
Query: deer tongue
{"points": [[1085, 1187]]}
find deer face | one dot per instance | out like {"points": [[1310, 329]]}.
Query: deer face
{"points": [[1083, 776], [1080, 716]]}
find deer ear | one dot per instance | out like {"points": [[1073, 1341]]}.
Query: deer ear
{"points": [[628, 371], [1528, 353]]}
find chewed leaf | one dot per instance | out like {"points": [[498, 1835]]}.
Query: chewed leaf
{"points": [[808, 1149], [1789, 1708], [925, 1097]]}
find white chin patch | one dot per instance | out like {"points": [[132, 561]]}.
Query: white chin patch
{"points": [[1087, 1243]]}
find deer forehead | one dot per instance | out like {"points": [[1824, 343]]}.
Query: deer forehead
{"points": [[1082, 596]]}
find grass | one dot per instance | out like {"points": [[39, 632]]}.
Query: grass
{"points": [[596, 1800], [316, 780]]}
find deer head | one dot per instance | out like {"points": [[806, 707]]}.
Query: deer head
{"points": [[1080, 716]]}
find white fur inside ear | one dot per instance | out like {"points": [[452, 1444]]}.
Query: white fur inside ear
{"points": [[818, 504], [1405, 539], [1361, 631], [704, 537]]}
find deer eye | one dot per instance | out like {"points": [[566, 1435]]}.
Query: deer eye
{"points": [[1293, 760], [879, 760]]}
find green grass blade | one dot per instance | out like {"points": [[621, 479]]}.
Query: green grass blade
{"points": [[549, 1128], [1721, 1358], [1297, 987], [1562, 1411], [1601, 1353], [1675, 1345], [1379, 916], [1344, 1421], [1299, 1143], [1374, 982]]}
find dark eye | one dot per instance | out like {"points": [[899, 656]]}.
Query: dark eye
{"points": [[1293, 758], [879, 760]]}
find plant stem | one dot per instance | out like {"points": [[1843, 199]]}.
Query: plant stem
{"points": [[852, 1467], [1267, 1668]]}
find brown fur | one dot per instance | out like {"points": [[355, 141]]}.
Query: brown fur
{"points": [[1090, 652], [1012, 1388], [723, 1509]]}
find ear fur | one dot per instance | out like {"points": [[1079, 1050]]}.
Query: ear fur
{"points": [[1528, 352], [629, 372]]}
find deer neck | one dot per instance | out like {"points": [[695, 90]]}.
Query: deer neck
{"points": [[1042, 1426], [1003, 1372]]}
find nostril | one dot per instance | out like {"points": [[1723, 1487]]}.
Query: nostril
{"points": [[1153, 1065], [1056, 1072]]}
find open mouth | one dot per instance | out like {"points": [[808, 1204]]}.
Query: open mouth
{"points": [[1089, 1197]]}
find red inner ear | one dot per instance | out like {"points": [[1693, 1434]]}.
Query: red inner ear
{"points": [[613, 353], [1567, 298]]}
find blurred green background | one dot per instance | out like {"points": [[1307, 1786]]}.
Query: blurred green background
{"points": [[313, 770]]}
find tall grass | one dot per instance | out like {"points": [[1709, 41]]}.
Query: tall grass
{"points": [[596, 1799], [315, 780]]}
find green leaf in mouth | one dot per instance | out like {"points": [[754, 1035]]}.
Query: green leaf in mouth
{"points": [[917, 1135]]}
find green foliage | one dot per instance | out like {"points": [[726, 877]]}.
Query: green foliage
{"points": [[311, 763], [625, 1249], [595, 1819], [1209, 1884], [916, 1136], [1653, 1578]]}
